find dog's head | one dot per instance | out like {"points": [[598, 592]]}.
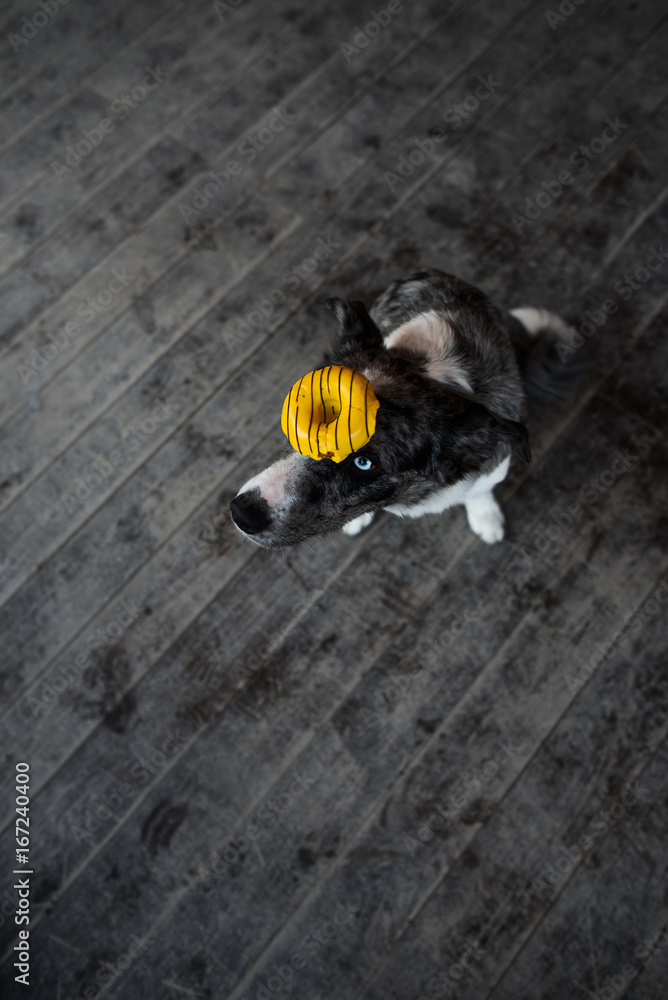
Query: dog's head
{"points": [[429, 435]]}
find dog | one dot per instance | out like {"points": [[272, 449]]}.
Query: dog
{"points": [[444, 364]]}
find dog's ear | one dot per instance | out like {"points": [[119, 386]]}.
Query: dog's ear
{"points": [[479, 432], [356, 328]]}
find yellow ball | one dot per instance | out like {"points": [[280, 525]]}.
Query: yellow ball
{"points": [[330, 413]]}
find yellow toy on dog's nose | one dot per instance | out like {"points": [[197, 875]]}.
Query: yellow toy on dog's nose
{"points": [[330, 413]]}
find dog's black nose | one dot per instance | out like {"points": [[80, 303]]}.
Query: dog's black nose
{"points": [[250, 512]]}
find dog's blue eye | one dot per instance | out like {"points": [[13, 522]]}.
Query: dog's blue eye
{"points": [[363, 464]]}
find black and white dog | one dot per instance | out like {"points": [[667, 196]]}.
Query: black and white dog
{"points": [[441, 360]]}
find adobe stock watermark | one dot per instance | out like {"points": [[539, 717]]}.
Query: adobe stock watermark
{"points": [[633, 623], [103, 806], [257, 657], [625, 287], [561, 521], [249, 147], [563, 11], [582, 158], [87, 311], [447, 981], [429, 653], [120, 108], [320, 936], [104, 468], [240, 328], [30, 26], [272, 812], [68, 673], [555, 871], [455, 116], [363, 36], [471, 784], [109, 972], [613, 985]]}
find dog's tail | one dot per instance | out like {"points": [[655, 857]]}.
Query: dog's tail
{"points": [[548, 362]]}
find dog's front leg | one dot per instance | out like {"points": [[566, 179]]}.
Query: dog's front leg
{"points": [[359, 524], [485, 517]]}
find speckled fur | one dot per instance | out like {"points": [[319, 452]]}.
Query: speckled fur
{"points": [[431, 434]]}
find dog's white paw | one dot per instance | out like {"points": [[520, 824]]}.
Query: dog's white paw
{"points": [[359, 524], [486, 518]]}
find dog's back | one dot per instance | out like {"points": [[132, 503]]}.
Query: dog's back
{"points": [[464, 335]]}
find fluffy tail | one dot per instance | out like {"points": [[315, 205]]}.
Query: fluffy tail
{"points": [[548, 364]]}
